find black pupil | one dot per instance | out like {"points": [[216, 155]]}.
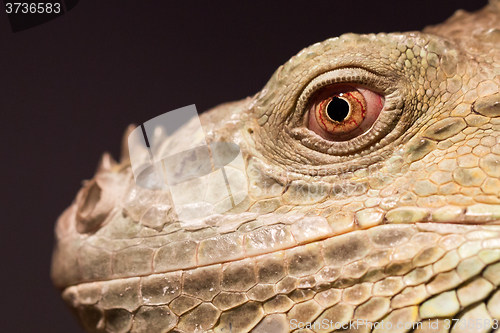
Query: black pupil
{"points": [[337, 109]]}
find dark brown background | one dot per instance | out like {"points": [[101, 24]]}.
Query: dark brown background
{"points": [[69, 88]]}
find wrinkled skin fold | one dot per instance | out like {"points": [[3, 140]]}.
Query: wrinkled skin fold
{"points": [[399, 224]]}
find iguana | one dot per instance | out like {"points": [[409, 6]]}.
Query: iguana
{"points": [[373, 171]]}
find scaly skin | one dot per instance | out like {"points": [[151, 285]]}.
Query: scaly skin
{"points": [[399, 224]]}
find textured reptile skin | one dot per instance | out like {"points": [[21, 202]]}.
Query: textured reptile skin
{"points": [[399, 224]]}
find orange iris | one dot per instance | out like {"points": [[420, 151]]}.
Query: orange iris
{"points": [[342, 112]]}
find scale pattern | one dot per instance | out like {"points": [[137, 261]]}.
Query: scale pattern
{"points": [[399, 225]]}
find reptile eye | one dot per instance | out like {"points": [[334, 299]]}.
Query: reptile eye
{"points": [[347, 111], [341, 112]]}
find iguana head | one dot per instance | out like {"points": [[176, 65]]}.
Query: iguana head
{"points": [[372, 165]]}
